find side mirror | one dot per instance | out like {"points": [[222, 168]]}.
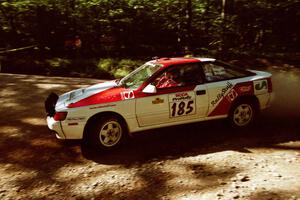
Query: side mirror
{"points": [[150, 89]]}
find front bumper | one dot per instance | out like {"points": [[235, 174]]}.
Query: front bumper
{"points": [[50, 110], [56, 127]]}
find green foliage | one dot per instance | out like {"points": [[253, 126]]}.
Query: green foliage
{"points": [[118, 67], [107, 64], [58, 62]]}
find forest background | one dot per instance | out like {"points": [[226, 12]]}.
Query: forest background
{"points": [[109, 38]]}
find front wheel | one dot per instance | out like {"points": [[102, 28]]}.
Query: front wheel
{"points": [[242, 114], [106, 133]]}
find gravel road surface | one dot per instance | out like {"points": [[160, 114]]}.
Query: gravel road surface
{"points": [[197, 161]]}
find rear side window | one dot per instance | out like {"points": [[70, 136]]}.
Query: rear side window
{"points": [[217, 71]]}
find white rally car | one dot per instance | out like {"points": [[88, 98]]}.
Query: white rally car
{"points": [[160, 93]]}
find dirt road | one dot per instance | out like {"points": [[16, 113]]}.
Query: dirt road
{"points": [[197, 161]]}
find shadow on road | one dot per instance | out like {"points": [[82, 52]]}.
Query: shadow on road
{"points": [[202, 138]]}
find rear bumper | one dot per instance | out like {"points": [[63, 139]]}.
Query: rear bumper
{"points": [[265, 100], [56, 127]]}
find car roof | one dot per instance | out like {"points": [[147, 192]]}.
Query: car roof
{"points": [[180, 60]]}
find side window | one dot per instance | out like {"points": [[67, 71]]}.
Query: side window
{"points": [[191, 74], [218, 71], [180, 75]]}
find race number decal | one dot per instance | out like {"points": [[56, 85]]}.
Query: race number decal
{"points": [[181, 104]]}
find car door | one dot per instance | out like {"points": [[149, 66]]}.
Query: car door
{"points": [[186, 101]]}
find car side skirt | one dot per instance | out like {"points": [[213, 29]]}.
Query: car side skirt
{"points": [[138, 129]]}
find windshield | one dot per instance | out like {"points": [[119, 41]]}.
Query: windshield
{"points": [[139, 76]]}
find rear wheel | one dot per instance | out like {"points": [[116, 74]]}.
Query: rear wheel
{"points": [[242, 114], [106, 133]]}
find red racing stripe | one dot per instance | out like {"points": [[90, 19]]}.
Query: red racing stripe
{"points": [[106, 96], [239, 89]]}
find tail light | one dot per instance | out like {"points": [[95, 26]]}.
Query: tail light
{"points": [[60, 116], [270, 86]]}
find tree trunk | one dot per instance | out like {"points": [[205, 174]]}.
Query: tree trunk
{"points": [[188, 26]]}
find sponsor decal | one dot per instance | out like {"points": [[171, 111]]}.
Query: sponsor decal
{"points": [[245, 88], [103, 106], [157, 101], [127, 95], [261, 85], [232, 95], [222, 93], [181, 96]]}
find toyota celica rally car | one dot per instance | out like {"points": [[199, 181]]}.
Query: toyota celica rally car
{"points": [[198, 89]]}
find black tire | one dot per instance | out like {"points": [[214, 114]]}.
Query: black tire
{"points": [[242, 114], [106, 133]]}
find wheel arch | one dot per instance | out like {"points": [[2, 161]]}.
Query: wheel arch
{"points": [[251, 98], [100, 115], [245, 99]]}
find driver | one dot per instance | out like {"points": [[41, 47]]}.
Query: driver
{"points": [[168, 79]]}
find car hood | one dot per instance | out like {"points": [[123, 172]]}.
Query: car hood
{"points": [[76, 95]]}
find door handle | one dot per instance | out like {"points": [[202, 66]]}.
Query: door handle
{"points": [[200, 92]]}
